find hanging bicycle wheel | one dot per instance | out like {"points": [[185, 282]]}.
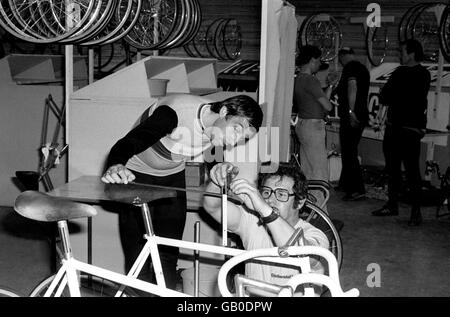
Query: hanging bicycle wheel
{"points": [[30, 20], [199, 41], [114, 25], [155, 24], [210, 37], [232, 39], [406, 20], [376, 44], [444, 33], [195, 23], [90, 286], [219, 47], [319, 219], [102, 18], [425, 29], [129, 24], [322, 30]]}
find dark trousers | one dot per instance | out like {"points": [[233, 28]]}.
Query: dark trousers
{"points": [[168, 219], [351, 179], [402, 146]]}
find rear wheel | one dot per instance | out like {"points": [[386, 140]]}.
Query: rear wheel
{"points": [[319, 219]]}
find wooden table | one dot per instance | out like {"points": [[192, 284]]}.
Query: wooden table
{"points": [[91, 190]]}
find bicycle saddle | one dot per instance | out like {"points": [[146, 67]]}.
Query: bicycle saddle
{"points": [[137, 194], [43, 207]]}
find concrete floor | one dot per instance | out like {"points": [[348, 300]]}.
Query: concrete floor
{"points": [[412, 261], [382, 256]]}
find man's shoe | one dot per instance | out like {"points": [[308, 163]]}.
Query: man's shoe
{"points": [[385, 211], [416, 218], [415, 222], [354, 196]]}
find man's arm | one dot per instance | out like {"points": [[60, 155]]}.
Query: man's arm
{"points": [[163, 120], [213, 205]]}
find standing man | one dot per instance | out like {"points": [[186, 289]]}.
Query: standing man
{"points": [[405, 94], [175, 129], [352, 92], [312, 105]]}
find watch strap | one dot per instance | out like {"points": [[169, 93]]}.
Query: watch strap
{"points": [[270, 218]]}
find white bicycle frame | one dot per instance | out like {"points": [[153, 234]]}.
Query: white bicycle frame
{"points": [[331, 280], [67, 274]]}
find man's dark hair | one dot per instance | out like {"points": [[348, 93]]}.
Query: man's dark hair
{"points": [[242, 106], [300, 187], [306, 53], [414, 46]]}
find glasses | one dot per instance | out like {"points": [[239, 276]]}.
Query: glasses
{"points": [[280, 193]]}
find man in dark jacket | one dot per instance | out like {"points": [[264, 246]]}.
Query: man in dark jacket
{"points": [[352, 94], [405, 94]]}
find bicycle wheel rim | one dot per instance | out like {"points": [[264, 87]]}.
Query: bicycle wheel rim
{"points": [[7, 292], [90, 286], [336, 243]]}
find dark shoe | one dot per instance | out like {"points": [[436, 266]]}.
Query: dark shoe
{"points": [[385, 211], [415, 222], [416, 218], [354, 196]]}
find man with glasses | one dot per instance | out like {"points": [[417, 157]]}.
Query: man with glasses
{"points": [[268, 216]]}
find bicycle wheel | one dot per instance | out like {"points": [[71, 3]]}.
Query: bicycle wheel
{"points": [[376, 44], [90, 286], [444, 33], [7, 292], [322, 30], [403, 25], [319, 219], [425, 29]]}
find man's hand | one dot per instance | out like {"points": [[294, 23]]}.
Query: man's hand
{"points": [[118, 174], [221, 171], [249, 194], [354, 122]]}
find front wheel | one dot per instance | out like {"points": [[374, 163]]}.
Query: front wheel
{"points": [[90, 286], [7, 292]]}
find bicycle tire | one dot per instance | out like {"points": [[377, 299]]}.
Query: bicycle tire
{"points": [[90, 286], [425, 29], [209, 37], [234, 54], [443, 37], [370, 34], [11, 27], [305, 36], [131, 21], [8, 292], [218, 40], [325, 224], [115, 24], [402, 27], [140, 38]]}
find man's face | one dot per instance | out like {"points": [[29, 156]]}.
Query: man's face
{"points": [[285, 185], [228, 132], [315, 64]]}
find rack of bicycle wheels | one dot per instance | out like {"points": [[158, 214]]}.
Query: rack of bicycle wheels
{"points": [[157, 25]]}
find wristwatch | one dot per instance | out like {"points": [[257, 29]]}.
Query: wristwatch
{"points": [[350, 111], [270, 218]]}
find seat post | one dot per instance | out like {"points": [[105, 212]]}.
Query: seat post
{"points": [[147, 219], [64, 234]]}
